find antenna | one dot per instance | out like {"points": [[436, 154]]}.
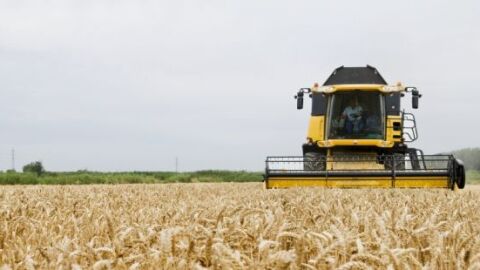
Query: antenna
{"points": [[13, 159], [176, 164]]}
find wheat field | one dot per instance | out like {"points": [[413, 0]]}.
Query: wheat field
{"points": [[236, 226]]}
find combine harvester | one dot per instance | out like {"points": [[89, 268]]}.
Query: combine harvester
{"points": [[357, 138]]}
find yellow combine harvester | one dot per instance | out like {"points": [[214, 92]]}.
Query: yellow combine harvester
{"points": [[357, 137]]}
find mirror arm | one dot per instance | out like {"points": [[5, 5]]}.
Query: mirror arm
{"points": [[303, 91]]}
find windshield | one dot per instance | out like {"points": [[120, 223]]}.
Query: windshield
{"points": [[356, 115]]}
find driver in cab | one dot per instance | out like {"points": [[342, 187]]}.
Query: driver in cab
{"points": [[353, 117]]}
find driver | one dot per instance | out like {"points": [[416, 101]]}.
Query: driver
{"points": [[353, 117]]}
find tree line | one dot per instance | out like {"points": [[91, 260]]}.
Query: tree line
{"points": [[470, 157]]}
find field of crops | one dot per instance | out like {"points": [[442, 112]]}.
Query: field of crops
{"points": [[236, 226]]}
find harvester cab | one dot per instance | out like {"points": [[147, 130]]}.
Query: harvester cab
{"points": [[358, 136]]}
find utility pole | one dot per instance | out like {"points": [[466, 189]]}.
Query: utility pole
{"points": [[13, 159], [176, 164]]}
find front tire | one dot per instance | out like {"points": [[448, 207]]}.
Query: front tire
{"points": [[313, 161], [396, 160], [460, 176]]}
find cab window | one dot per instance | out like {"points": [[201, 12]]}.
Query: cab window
{"points": [[356, 115]]}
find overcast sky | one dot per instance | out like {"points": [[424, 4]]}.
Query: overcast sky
{"points": [[130, 85]]}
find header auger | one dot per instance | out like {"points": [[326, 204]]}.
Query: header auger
{"points": [[357, 138]]}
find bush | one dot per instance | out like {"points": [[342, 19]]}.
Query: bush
{"points": [[180, 178], [34, 167], [473, 177]]}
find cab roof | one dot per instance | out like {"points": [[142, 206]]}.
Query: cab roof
{"points": [[355, 75]]}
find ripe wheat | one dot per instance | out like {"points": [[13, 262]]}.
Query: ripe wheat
{"points": [[236, 226]]}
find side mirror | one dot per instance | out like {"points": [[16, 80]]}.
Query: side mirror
{"points": [[415, 102], [415, 96], [299, 98]]}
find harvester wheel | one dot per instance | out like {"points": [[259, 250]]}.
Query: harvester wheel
{"points": [[397, 160], [313, 161], [460, 177]]}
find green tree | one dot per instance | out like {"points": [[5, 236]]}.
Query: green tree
{"points": [[34, 167]]}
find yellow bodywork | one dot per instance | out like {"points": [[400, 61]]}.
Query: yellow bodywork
{"points": [[393, 135], [353, 142], [359, 182], [364, 87], [316, 128]]}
